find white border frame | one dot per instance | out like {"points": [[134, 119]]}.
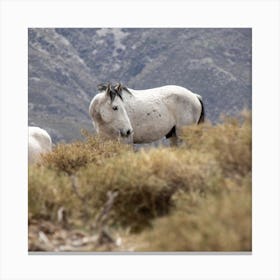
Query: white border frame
{"points": [[17, 16]]}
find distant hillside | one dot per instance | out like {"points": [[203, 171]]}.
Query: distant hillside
{"points": [[66, 65]]}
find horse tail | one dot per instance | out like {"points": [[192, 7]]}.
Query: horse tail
{"points": [[202, 114]]}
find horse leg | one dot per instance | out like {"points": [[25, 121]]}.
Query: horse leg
{"points": [[174, 141], [171, 135]]}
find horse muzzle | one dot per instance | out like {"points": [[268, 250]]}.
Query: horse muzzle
{"points": [[126, 133]]}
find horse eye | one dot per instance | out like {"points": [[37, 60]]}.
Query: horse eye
{"points": [[115, 108]]}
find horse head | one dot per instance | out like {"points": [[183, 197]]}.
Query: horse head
{"points": [[109, 114]]}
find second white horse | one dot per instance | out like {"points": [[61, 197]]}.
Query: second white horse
{"points": [[39, 142]]}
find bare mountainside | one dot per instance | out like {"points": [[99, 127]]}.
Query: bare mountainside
{"points": [[67, 64]]}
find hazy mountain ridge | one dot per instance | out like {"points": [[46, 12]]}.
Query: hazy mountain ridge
{"points": [[66, 65]]}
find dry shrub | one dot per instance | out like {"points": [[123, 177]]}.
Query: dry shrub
{"points": [[145, 182], [67, 158], [230, 142], [142, 192], [71, 157], [48, 191], [195, 197], [213, 223]]}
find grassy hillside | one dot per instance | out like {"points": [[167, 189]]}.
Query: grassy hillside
{"points": [[104, 196]]}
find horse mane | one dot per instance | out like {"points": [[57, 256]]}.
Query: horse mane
{"points": [[113, 90]]}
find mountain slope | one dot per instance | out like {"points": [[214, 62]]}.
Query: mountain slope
{"points": [[67, 64]]}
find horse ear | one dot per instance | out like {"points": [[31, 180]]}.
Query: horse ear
{"points": [[101, 87], [118, 87], [108, 90]]}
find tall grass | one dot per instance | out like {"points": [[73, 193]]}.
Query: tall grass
{"points": [[196, 197]]}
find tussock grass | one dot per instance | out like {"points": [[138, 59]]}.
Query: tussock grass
{"points": [[196, 197]]}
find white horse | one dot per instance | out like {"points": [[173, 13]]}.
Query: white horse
{"points": [[143, 116], [39, 142]]}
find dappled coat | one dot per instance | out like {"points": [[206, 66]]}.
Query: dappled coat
{"points": [[143, 116]]}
